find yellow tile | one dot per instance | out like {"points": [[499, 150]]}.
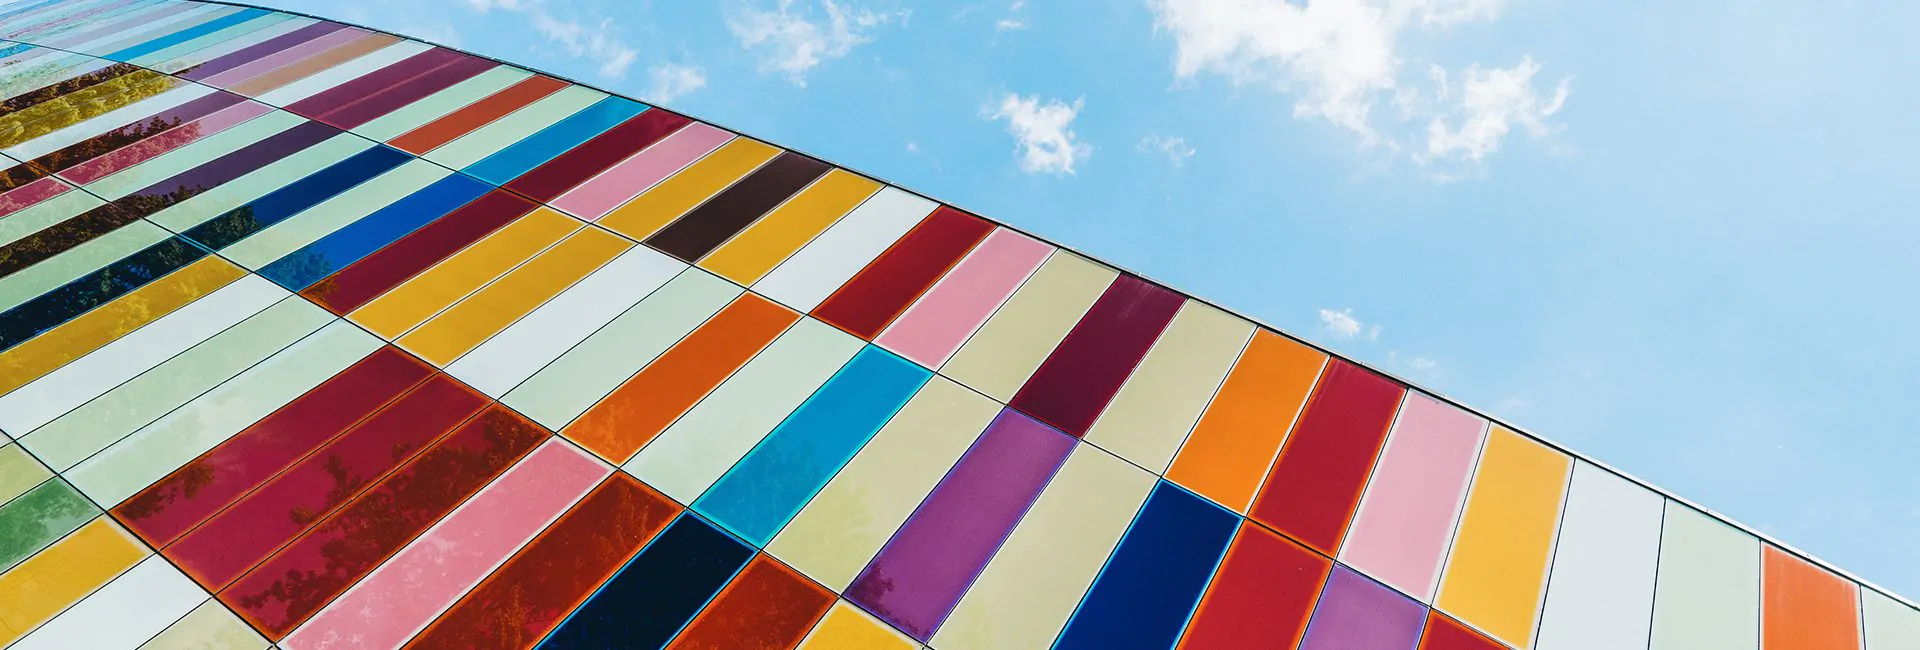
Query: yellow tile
{"points": [[673, 197], [1161, 401], [73, 339], [414, 301], [81, 105], [37, 589], [769, 241], [1497, 571], [19, 472], [845, 627], [489, 310]]}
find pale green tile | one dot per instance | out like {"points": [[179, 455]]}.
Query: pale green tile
{"points": [[208, 40], [45, 213], [157, 449], [163, 166], [437, 105], [486, 140], [19, 472], [565, 388], [263, 247], [257, 183], [1707, 593], [1890, 624], [80, 433], [693, 453], [72, 263], [210, 626]]}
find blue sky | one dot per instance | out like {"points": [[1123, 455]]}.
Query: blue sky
{"points": [[1674, 236]]}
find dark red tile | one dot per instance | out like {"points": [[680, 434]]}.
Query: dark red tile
{"points": [[164, 510], [1262, 596], [1078, 379], [295, 583]]}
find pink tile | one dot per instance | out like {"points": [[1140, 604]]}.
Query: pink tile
{"points": [[126, 21], [25, 196], [1406, 519], [595, 198], [941, 320], [282, 58], [163, 142], [415, 585]]}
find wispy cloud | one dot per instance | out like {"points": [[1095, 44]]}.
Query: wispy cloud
{"points": [[670, 81], [793, 42], [1342, 325], [1341, 59], [1175, 149], [1043, 132], [596, 39], [1010, 24]]}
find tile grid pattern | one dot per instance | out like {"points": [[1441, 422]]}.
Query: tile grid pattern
{"points": [[792, 406]]}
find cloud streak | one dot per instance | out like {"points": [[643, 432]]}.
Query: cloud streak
{"points": [[1043, 133]]}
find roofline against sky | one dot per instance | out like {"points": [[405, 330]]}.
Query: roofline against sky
{"points": [[1236, 313]]}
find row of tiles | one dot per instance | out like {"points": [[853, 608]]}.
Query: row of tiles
{"points": [[1068, 415]]}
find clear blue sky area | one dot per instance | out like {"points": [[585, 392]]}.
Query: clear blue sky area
{"points": [[1675, 236]]}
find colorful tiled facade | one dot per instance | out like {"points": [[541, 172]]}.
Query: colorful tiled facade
{"points": [[314, 336]]}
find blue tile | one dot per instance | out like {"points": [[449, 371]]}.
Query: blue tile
{"points": [[239, 223], [185, 35], [1155, 578], [757, 497], [658, 591], [519, 157], [361, 238]]}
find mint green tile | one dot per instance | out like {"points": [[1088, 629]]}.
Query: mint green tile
{"points": [[333, 214], [85, 431], [72, 263], [163, 166], [19, 472], [493, 137], [437, 105], [157, 449], [571, 384], [257, 183], [45, 213]]}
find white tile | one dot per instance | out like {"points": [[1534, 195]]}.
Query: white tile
{"points": [[52, 395], [1600, 591], [525, 347], [133, 608], [811, 275]]}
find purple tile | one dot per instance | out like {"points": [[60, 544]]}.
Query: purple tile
{"points": [[1082, 375], [1356, 613], [254, 52], [920, 575]]}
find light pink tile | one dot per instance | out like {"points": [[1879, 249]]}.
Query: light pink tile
{"points": [[163, 142], [942, 319], [282, 58], [406, 593], [25, 196], [127, 21], [595, 198], [1407, 516]]}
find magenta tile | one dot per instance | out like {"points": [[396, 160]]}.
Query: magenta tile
{"points": [[920, 574], [280, 59], [26, 196]]}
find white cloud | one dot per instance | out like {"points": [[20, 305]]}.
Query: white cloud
{"points": [[484, 6], [1492, 102], [670, 81], [1045, 139], [1341, 58], [1010, 24], [1175, 149], [792, 43], [913, 147], [595, 43], [1340, 324]]}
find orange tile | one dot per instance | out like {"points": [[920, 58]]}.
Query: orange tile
{"points": [[1805, 607], [767, 607], [473, 116], [642, 407], [1234, 443]]}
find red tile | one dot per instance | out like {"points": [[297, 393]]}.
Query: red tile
{"points": [[1314, 486], [894, 280], [1262, 596], [295, 583], [530, 594], [1447, 634], [160, 513]]}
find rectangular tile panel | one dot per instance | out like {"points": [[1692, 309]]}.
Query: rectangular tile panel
{"points": [[1169, 389], [123, 614], [1005, 351], [1600, 592], [807, 278], [726, 214], [1805, 607], [949, 312], [1263, 593], [766, 606], [657, 593], [1155, 578], [1496, 573], [1317, 481], [1405, 522], [595, 198], [1356, 613]]}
